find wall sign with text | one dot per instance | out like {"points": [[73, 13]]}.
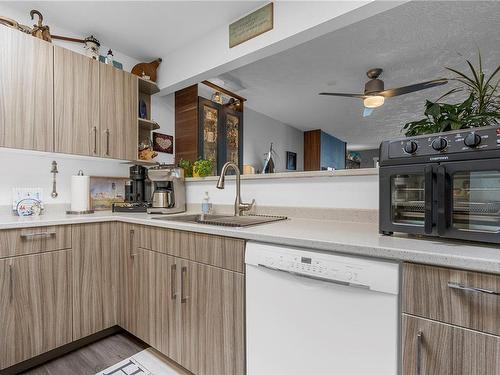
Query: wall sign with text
{"points": [[252, 25]]}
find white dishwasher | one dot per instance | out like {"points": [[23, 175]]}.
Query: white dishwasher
{"points": [[312, 313]]}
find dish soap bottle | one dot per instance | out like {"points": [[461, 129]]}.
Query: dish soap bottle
{"points": [[206, 206]]}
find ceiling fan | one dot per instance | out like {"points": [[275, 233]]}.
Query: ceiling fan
{"points": [[375, 94]]}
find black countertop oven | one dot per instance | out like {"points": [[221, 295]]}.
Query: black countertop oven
{"points": [[445, 185]]}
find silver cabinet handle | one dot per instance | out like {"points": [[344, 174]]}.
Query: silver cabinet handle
{"points": [[465, 288], [94, 129], [173, 278], [183, 283], [28, 236], [11, 283], [131, 243], [420, 337], [107, 142]]}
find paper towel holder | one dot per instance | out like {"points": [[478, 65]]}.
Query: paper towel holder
{"points": [[85, 212]]}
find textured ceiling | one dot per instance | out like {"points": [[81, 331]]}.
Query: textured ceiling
{"points": [[412, 43]]}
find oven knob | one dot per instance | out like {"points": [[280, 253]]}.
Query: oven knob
{"points": [[411, 147], [472, 140], [439, 144]]}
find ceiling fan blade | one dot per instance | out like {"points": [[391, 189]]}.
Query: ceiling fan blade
{"points": [[359, 96], [367, 111], [412, 88]]}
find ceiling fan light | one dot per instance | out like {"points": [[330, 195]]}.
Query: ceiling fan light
{"points": [[373, 101]]}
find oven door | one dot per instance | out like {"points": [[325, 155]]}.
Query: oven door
{"points": [[469, 200], [406, 199]]}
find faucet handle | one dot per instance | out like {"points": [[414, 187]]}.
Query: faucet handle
{"points": [[246, 206]]}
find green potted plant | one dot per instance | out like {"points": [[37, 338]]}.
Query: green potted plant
{"points": [[481, 108], [187, 166], [202, 168]]}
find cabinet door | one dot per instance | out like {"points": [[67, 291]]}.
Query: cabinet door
{"points": [[95, 278], [42, 303], [26, 91], [212, 320], [118, 113], [140, 278], [145, 296], [7, 348], [432, 348], [76, 103], [169, 308]]}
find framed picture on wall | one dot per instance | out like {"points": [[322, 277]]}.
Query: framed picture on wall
{"points": [[163, 143], [291, 161]]}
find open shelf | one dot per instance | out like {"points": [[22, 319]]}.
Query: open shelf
{"points": [[148, 87], [149, 125], [144, 163]]}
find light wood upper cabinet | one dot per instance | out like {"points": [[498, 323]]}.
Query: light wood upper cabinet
{"points": [[26, 91], [95, 278], [118, 92], [36, 303], [76, 103], [433, 348]]}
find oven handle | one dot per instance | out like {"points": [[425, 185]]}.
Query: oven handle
{"points": [[429, 197], [443, 198]]}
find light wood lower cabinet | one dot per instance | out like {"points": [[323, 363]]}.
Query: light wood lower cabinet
{"points": [[433, 348], [452, 296], [36, 304], [190, 311], [211, 318], [95, 278]]}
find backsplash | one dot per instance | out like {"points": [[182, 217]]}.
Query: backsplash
{"points": [[30, 169]]}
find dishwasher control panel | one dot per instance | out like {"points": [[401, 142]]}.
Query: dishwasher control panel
{"points": [[373, 274], [310, 264]]}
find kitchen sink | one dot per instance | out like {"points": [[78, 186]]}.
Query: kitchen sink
{"points": [[224, 220]]}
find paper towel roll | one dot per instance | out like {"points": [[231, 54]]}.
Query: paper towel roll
{"points": [[80, 187]]}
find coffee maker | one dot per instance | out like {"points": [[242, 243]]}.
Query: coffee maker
{"points": [[135, 187], [169, 190], [137, 191]]}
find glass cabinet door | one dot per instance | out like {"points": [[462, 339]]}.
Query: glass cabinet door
{"points": [[232, 128], [476, 201], [210, 126]]}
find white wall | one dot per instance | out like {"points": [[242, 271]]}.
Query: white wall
{"points": [[163, 112], [359, 192], [260, 130], [32, 169]]}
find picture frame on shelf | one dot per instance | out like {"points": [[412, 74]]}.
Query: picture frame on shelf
{"points": [[291, 161], [163, 143], [104, 191]]}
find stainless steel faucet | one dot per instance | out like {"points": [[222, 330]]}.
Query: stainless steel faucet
{"points": [[239, 206]]}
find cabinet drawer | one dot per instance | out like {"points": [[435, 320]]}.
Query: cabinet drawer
{"points": [[433, 348], [218, 251], [34, 240], [452, 296]]}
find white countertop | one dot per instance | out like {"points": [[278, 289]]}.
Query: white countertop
{"points": [[327, 235]]}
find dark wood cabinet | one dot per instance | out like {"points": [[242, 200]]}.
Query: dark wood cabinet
{"points": [[208, 130]]}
